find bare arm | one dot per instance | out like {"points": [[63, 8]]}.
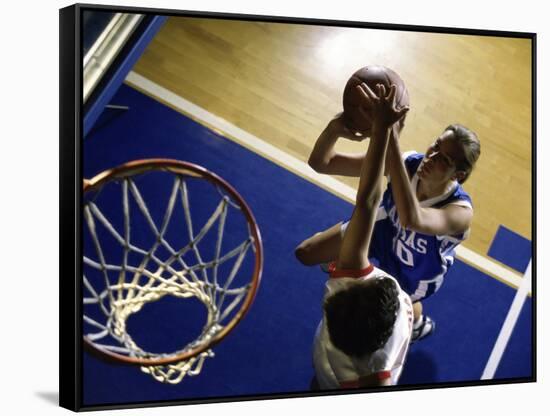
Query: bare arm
{"points": [[450, 220], [325, 159], [355, 243]]}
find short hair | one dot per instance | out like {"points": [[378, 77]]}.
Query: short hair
{"points": [[360, 319], [470, 145]]}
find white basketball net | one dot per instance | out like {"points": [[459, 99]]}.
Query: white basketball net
{"points": [[125, 288]]}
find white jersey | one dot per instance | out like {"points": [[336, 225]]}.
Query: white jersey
{"points": [[334, 369]]}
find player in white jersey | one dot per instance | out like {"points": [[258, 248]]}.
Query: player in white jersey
{"points": [[335, 369], [363, 338], [424, 214]]}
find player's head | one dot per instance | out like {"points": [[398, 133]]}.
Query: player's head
{"points": [[360, 318], [451, 156]]}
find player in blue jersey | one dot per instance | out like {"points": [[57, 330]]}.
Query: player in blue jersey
{"points": [[424, 214]]}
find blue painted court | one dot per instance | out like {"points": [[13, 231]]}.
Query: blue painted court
{"points": [[270, 351]]}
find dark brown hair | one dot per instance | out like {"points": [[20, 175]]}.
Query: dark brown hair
{"points": [[360, 319], [471, 146]]}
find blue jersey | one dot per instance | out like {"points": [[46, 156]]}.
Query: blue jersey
{"points": [[418, 261]]}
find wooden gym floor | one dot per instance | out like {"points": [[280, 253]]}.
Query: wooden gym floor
{"points": [[283, 83]]}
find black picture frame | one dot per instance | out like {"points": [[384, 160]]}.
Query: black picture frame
{"points": [[72, 111]]}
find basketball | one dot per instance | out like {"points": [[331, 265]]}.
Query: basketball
{"points": [[361, 121]]}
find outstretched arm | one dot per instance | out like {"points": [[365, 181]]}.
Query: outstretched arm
{"points": [[450, 220], [355, 244]]}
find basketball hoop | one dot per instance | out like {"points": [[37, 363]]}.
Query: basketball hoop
{"points": [[137, 253]]}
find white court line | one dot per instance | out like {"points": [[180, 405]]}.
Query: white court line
{"points": [[508, 326], [295, 165]]}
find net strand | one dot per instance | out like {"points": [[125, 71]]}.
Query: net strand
{"points": [[189, 223], [233, 273], [126, 246], [221, 227], [91, 226]]}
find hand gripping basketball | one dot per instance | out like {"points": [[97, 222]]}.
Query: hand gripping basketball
{"points": [[381, 104], [339, 128], [359, 118]]}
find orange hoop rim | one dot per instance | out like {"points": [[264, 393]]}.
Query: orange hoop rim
{"points": [[186, 169]]}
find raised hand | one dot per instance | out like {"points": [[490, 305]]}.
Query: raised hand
{"points": [[339, 128], [381, 105]]}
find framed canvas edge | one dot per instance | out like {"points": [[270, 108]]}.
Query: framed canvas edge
{"points": [[70, 186]]}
